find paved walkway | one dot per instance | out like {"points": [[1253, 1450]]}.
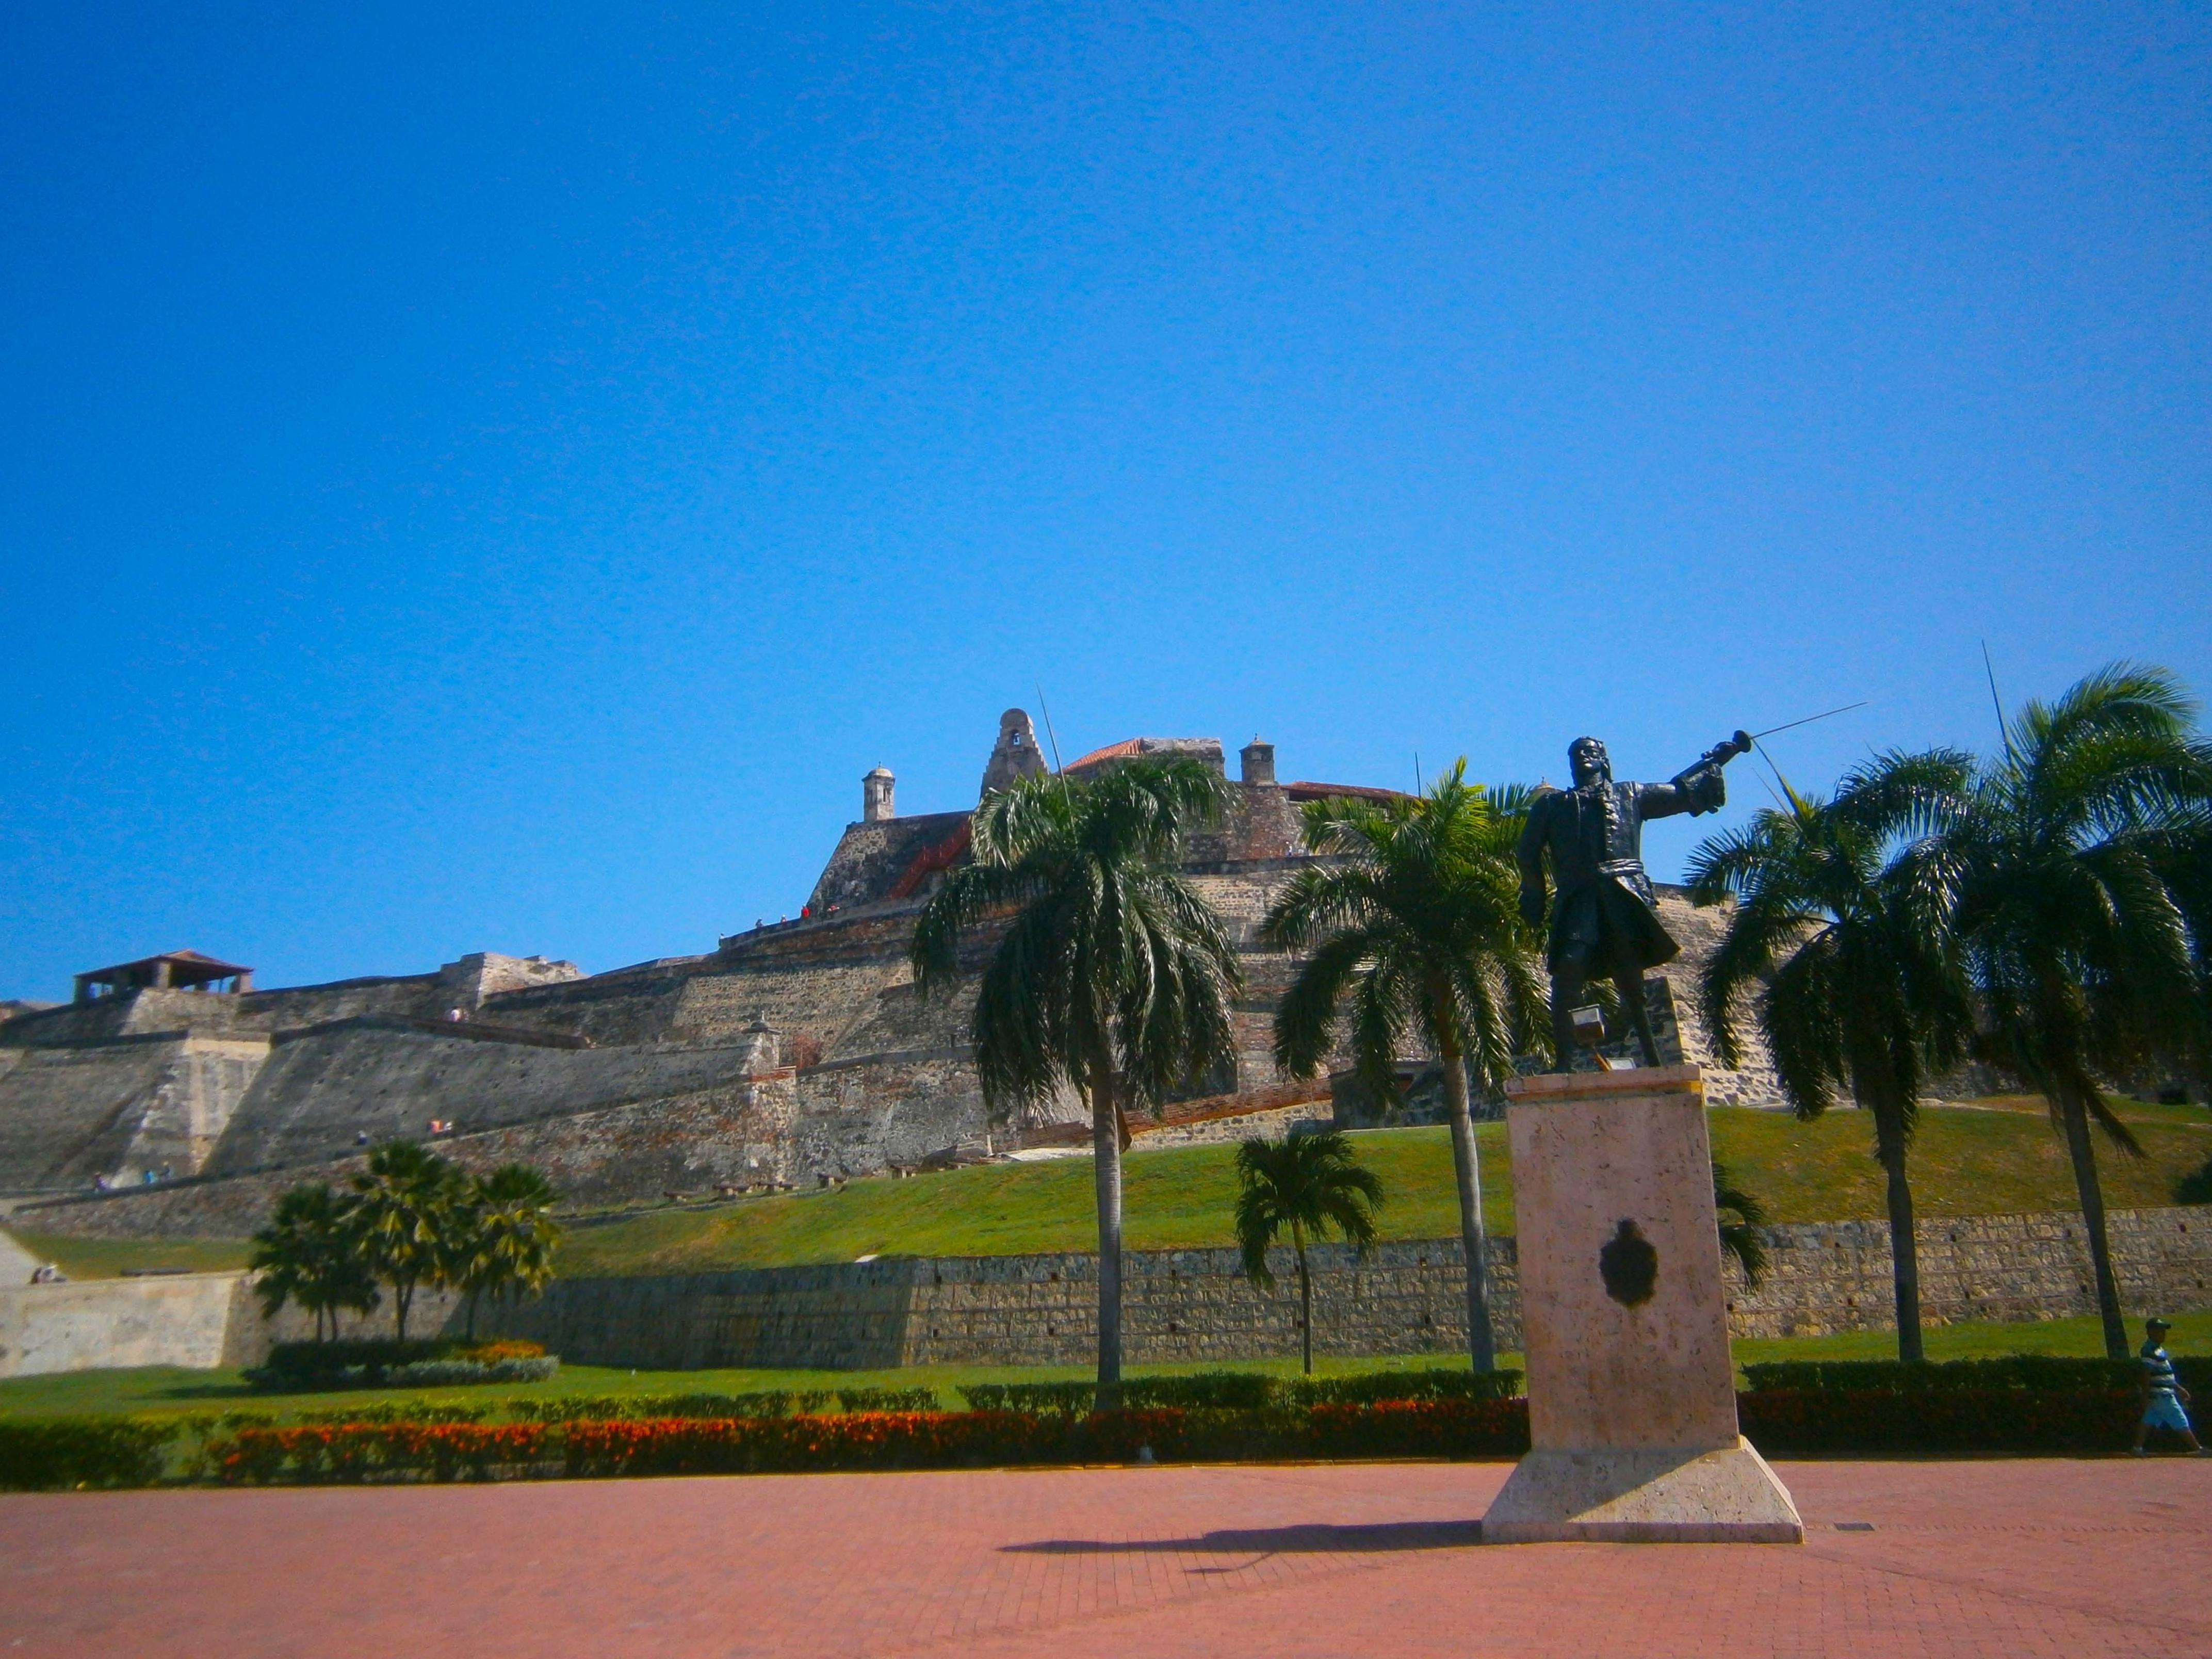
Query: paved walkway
{"points": [[2012, 1558]]}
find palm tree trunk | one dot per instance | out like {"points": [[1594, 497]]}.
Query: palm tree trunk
{"points": [[1466, 1173], [2073, 1114], [1903, 1244], [401, 1296], [475, 1295], [1106, 1148], [1305, 1294]]}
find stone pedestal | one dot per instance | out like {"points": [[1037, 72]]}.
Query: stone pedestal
{"points": [[1632, 1395]]}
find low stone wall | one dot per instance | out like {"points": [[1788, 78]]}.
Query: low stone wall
{"points": [[1406, 1297], [195, 1321], [1180, 1305], [199, 1321]]}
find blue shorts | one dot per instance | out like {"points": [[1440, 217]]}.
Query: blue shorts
{"points": [[2164, 1412]]}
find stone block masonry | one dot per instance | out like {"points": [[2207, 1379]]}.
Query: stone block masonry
{"points": [[1406, 1297]]}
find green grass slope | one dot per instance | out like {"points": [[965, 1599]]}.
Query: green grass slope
{"points": [[1997, 1160]]}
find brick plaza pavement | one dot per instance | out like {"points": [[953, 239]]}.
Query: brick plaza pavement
{"points": [[2019, 1558]]}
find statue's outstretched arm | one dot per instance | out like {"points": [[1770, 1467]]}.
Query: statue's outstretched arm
{"points": [[1698, 787]]}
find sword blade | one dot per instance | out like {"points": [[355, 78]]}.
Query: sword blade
{"points": [[1791, 725]]}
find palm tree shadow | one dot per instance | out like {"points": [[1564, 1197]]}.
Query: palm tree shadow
{"points": [[1313, 1538]]}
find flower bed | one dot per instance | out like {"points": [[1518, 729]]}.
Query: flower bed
{"points": [[309, 1367]]}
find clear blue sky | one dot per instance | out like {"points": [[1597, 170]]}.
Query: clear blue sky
{"points": [[479, 477]]}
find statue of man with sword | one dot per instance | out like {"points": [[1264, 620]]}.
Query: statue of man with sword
{"points": [[1604, 921]]}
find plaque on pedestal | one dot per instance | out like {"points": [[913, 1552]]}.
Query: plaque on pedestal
{"points": [[1631, 1393]]}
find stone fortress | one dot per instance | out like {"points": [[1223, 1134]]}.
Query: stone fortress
{"points": [[791, 1055]]}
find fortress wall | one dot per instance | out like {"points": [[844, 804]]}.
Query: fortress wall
{"points": [[193, 1102], [1699, 932], [1405, 1297], [859, 1118], [319, 1090], [816, 999], [618, 1010], [72, 1112], [415, 996]]}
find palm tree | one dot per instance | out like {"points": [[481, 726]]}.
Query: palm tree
{"points": [[2075, 925], [1414, 921], [506, 1243], [1740, 1237], [403, 1214], [1112, 976], [310, 1254], [1837, 938], [1311, 1184]]}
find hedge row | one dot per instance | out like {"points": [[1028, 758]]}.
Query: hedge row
{"points": [[1247, 1391], [767, 1402], [2041, 1372], [43, 1456], [862, 1441], [2002, 1420], [123, 1452]]}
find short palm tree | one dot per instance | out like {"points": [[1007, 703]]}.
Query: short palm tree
{"points": [[310, 1252], [1111, 976], [1313, 1185], [1837, 940], [1740, 1216], [508, 1238], [1413, 919], [2074, 922], [402, 1213]]}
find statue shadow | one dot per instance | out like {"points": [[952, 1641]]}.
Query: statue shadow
{"points": [[1312, 1538]]}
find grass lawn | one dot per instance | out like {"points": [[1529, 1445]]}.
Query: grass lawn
{"points": [[1993, 1159], [106, 1258], [168, 1391]]}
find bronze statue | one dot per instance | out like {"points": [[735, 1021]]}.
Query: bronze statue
{"points": [[1604, 921]]}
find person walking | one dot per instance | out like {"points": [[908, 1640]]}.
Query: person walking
{"points": [[2163, 1394]]}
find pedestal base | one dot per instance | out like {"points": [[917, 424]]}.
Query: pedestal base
{"points": [[1644, 1497]]}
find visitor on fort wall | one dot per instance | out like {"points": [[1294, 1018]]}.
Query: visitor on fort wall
{"points": [[2163, 1394]]}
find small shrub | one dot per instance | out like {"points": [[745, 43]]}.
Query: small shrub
{"points": [[1236, 1391], [51, 1453], [395, 1411], [1044, 1399], [1433, 1382], [887, 1400], [490, 1353], [2195, 1187], [624, 1407]]}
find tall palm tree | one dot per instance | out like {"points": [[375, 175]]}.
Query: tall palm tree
{"points": [[310, 1252], [403, 1208], [1837, 940], [1112, 976], [2075, 925], [1312, 1184], [507, 1242], [1413, 920]]}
